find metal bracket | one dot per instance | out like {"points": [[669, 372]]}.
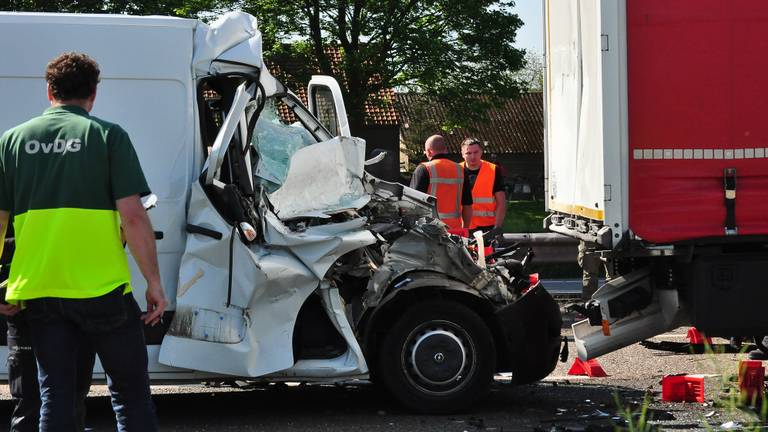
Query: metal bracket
{"points": [[729, 184]]}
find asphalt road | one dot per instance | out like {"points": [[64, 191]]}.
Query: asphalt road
{"points": [[559, 403]]}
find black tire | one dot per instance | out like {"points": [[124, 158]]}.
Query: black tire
{"points": [[439, 357]]}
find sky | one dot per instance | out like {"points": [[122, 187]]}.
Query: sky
{"points": [[531, 35]]}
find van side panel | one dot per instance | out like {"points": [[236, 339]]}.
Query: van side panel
{"points": [[698, 98], [146, 87]]}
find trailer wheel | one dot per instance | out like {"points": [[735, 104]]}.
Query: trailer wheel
{"points": [[438, 357]]}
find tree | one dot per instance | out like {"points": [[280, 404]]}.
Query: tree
{"points": [[445, 48], [532, 74], [182, 8]]}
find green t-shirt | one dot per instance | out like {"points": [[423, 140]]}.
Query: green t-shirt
{"points": [[60, 175]]}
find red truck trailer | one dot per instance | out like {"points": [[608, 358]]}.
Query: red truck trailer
{"points": [[657, 153]]}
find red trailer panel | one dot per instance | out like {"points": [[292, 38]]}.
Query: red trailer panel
{"points": [[698, 105]]}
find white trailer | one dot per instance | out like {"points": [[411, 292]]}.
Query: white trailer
{"points": [[654, 115]]}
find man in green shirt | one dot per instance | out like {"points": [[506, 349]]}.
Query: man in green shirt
{"points": [[70, 181]]}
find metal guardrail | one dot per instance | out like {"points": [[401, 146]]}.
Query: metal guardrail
{"points": [[549, 247], [563, 287], [552, 248]]}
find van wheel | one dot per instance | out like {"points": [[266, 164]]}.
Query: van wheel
{"points": [[439, 357]]}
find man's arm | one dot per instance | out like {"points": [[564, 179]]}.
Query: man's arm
{"points": [[466, 215], [420, 179], [500, 196], [5, 217], [466, 202], [141, 241], [501, 208]]}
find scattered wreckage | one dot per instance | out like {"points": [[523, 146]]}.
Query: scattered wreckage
{"points": [[283, 259]]}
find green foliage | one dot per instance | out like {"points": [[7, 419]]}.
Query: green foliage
{"points": [[447, 48], [524, 217], [532, 74], [636, 420], [182, 8], [752, 415]]}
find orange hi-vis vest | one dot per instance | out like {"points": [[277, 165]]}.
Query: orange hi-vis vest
{"points": [[483, 200], [446, 182]]}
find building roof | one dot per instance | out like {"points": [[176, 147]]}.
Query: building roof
{"points": [[380, 109], [515, 127]]}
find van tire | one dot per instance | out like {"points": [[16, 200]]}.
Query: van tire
{"points": [[439, 357]]}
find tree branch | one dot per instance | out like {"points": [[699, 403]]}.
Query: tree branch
{"points": [[312, 9], [341, 22], [357, 10]]}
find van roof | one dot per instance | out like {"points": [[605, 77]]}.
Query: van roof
{"points": [[97, 19]]}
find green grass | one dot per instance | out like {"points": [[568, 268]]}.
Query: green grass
{"points": [[524, 217], [527, 217]]}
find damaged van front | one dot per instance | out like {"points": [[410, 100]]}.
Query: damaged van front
{"points": [[282, 258], [299, 265]]}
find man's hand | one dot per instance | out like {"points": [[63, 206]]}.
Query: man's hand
{"points": [[156, 304], [141, 242], [9, 309]]}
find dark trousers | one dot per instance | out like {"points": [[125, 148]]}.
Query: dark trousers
{"points": [[590, 264], [22, 378], [111, 325]]}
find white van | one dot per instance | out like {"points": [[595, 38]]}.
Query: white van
{"points": [[282, 258]]}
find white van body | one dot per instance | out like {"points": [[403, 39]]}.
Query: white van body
{"points": [[278, 251]]}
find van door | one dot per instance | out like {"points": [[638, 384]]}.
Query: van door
{"points": [[218, 271], [327, 104]]}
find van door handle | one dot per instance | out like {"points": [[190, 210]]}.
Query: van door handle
{"points": [[159, 235], [197, 229]]}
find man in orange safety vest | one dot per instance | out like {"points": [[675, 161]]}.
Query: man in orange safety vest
{"points": [[445, 180], [489, 201]]}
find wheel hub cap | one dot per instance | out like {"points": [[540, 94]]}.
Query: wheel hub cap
{"points": [[438, 357]]}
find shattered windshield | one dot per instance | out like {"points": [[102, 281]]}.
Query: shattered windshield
{"points": [[305, 171], [278, 134]]}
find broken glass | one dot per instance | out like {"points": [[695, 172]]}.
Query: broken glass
{"points": [[323, 179], [276, 139]]}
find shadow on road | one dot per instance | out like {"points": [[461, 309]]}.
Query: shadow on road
{"points": [[362, 407]]}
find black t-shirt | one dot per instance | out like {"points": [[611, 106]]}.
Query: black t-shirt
{"points": [[420, 182], [471, 175]]}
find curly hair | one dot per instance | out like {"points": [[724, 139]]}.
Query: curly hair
{"points": [[72, 76]]}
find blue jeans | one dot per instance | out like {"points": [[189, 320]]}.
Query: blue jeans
{"points": [[22, 378], [111, 325]]}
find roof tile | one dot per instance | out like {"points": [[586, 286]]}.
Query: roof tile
{"points": [[380, 108], [515, 127]]}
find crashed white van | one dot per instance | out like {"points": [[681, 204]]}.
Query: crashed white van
{"points": [[281, 257]]}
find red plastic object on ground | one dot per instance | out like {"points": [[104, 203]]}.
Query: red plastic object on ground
{"points": [[590, 368], [696, 338], [682, 388], [751, 380]]}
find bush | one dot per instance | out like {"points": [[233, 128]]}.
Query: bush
{"points": [[525, 217]]}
